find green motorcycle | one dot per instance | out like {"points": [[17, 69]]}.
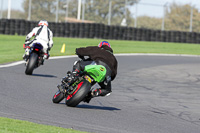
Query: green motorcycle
{"points": [[78, 90]]}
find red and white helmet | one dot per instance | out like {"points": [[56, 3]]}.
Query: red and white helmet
{"points": [[43, 22]]}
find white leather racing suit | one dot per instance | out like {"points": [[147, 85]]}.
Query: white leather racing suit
{"points": [[43, 35]]}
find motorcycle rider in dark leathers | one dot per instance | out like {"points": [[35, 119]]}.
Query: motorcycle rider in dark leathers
{"points": [[101, 55]]}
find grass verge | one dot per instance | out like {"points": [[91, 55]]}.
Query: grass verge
{"points": [[11, 47], [8, 125]]}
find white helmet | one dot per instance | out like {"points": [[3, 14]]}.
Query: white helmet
{"points": [[43, 22]]}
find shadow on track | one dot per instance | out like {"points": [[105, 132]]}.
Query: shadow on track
{"points": [[84, 106], [87, 106], [42, 75]]}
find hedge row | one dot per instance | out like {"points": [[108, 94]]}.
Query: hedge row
{"points": [[96, 30]]}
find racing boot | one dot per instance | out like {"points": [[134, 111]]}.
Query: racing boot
{"points": [[91, 95], [27, 50], [46, 56], [96, 92]]}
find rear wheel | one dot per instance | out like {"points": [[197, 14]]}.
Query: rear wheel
{"points": [[58, 97], [82, 90], [31, 63]]}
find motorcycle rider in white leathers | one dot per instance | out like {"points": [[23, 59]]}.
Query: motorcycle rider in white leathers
{"points": [[43, 35]]}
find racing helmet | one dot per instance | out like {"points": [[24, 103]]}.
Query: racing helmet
{"points": [[43, 22], [104, 43]]}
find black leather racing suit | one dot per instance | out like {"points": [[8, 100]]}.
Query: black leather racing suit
{"points": [[101, 56]]}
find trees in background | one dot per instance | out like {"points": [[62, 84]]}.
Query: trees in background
{"points": [[177, 16], [40, 9], [95, 10], [148, 22], [16, 14], [98, 10]]}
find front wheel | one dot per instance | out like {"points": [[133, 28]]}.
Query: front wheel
{"points": [[82, 90], [58, 97], [31, 63]]}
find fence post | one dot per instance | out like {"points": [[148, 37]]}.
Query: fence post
{"points": [[191, 17], [164, 13], [29, 10]]}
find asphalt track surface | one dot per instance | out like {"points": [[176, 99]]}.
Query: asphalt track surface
{"points": [[151, 94]]}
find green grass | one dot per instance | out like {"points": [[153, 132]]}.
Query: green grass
{"points": [[8, 125], [11, 47]]}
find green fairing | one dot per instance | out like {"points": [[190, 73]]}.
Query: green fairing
{"points": [[97, 72]]}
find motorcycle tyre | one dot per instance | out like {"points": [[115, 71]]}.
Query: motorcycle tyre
{"points": [[31, 64], [60, 96], [79, 95]]}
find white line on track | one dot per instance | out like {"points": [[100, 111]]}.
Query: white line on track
{"points": [[134, 54]]}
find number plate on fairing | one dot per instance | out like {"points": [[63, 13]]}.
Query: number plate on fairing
{"points": [[88, 79]]}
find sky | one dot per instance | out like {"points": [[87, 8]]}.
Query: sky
{"points": [[152, 8]]}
